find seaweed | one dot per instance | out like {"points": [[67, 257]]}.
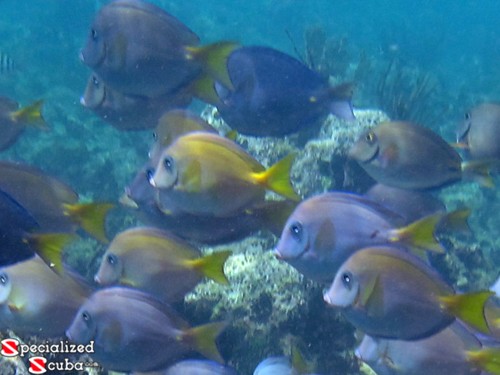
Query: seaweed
{"points": [[408, 94]]}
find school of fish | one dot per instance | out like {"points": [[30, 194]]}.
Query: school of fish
{"points": [[198, 187]]}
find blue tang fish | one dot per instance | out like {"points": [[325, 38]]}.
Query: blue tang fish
{"points": [[274, 94]]}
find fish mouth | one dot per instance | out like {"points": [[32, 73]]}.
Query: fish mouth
{"points": [[127, 201], [372, 157], [280, 256]]}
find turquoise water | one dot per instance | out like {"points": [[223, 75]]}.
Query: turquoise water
{"points": [[455, 43]]}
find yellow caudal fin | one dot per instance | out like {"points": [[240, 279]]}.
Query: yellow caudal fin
{"points": [[213, 58], [91, 217], [202, 339], [299, 363], [456, 221], [31, 115], [204, 88], [273, 215], [277, 178], [49, 247], [212, 266], [479, 171], [469, 308], [419, 235], [487, 359]]}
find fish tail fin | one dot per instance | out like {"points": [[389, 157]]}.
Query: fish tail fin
{"points": [[459, 145], [274, 215], [31, 114], [49, 247], [469, 308], [213, 57], [204, 88], [340, 101], [487, 359], [91, 217], [419, 234], [480, 171], [277, 178], [202, 339], [299, 362], [456, 221], [212, 266]]}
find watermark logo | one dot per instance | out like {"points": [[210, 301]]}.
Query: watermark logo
{"points": [[10, 348], [38, 364]]}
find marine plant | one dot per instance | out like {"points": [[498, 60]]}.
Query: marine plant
{"points": [[408, 94]]}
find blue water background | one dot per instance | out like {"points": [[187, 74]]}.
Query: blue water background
{"points": [[457, 42]]}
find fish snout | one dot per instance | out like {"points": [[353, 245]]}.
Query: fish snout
{"points": [[326, 298], [277, 254], [82, 101]]}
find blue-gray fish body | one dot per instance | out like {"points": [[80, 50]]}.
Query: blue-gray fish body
{"points": [[138, 49], [411, 205], [128, 112], [442, 353], [325, 230], [35, 300], [392, 294], [407, 156], [15, 224], [207, 229], [131, 330], [275, 366], [480, 131], [194, 367], [274, 94]]}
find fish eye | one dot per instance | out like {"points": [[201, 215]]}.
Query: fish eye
{"points": [[93, 33], [111, 259], [168, 163], [4, 279], [347, 280], [467, 116], [149, 174], [370, 137], [95, 81], [155, 136], [86, 316], [296, 231]]}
